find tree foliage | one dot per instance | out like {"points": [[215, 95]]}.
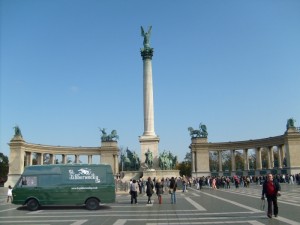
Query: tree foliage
{"points": [[3, 168]]}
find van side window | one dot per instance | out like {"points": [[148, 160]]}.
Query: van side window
{"points": [[29, 181]]}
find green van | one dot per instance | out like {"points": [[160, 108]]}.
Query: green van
{"points": [[70, 184]]}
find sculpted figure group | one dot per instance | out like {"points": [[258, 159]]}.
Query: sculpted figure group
{"points": [[109, 137], [202, 132]]}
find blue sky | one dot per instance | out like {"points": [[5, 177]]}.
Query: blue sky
{"points": [[69, 67]]}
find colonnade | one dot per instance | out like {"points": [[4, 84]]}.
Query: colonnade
{"points": [[21, 155], [288, 147], [258, 162]]}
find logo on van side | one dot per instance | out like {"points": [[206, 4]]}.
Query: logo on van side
{"points": [[83, 174]]}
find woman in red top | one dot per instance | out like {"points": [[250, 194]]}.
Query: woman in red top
{"points": [[271, 189]]}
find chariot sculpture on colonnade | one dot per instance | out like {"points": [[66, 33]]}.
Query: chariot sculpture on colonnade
{"points": [[201, 133]]}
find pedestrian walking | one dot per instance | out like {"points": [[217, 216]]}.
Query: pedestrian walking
{"points": [[9, 194], [133, 191], [149, 189], [271, 189], [172, 190], [159, 190]]}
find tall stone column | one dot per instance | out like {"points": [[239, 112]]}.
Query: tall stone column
{"points": [[194, 162], [279, 148], [233, 166], [220, 161], [149, 140], [258, 159], [246, 160]]}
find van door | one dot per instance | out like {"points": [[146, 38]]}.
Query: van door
{"points": [[25, 189]]}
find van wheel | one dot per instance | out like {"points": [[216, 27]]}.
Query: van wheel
{"points": [[92, 204], [33, 204]]}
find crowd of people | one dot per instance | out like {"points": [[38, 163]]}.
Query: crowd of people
{"points": [[270, 186], [240, 181], [151, 186]]}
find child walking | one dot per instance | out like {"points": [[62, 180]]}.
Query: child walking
{"points": [[9, 194]]}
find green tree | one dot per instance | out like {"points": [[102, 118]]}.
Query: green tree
{"points": [[185, 167], [3, 168]]}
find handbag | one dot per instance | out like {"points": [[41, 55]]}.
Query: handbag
{"points": [[170, 191]]}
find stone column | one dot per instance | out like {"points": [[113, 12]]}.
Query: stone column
{"points": [[148, 92], [52, 161], [233, 166], [90, 159], [116, 169], [64, 159], [76, 158], [279, 147], [193, 162], [220, 161], [39, 159], [258, 159], [28, 158], [269, 166], [272, 156], [149, 140], [246, 160]]}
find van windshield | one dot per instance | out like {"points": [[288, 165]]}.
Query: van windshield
{"points": [[28, 181]]}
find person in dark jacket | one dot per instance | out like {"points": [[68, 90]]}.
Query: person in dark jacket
{"points": [[149, 189], [173, 187], [271, 189]]}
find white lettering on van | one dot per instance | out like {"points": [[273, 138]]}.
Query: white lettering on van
{"points": [[83, 174]]}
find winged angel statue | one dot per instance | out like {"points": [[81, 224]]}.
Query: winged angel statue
{"points": [[146, 36]]}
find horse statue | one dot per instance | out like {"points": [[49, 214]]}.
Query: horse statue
{"points": [[113, 136], [201, 133], [164, 162], [134, 161], [194, 133], [104, 134], [126, 162], [17, 131], [203, 130], [149, 158], [109, 137], [290, 123]]}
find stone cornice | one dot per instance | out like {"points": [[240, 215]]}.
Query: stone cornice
{"points": [[249, 144], [51, 149]]}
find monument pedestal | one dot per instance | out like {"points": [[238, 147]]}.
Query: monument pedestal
{"points": [[127, 175], [151, 143], [160, 174]]}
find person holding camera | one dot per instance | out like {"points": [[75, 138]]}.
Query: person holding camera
{"points": [[271, 189]]}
